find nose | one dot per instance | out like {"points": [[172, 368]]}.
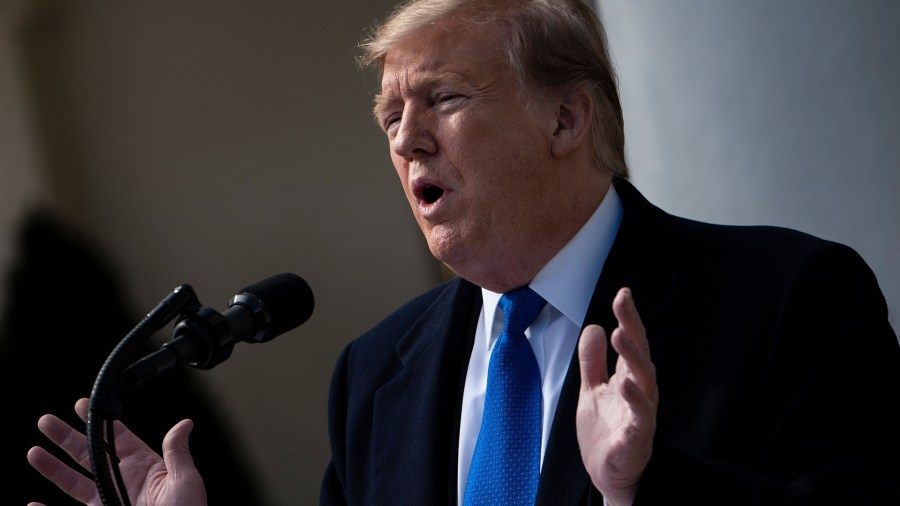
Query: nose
{"points": [[414, 137]]}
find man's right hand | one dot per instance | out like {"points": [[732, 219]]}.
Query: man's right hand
{"points": [[151, 480]]}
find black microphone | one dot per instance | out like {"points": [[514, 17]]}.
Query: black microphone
{"points": [[205, 338]]}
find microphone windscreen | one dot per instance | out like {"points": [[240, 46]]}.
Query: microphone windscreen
{"points": [[287, 298]]}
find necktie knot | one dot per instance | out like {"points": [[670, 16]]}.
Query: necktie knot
{"points": [[520, 308]]}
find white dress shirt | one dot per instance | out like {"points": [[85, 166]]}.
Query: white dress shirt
{"points": [[566, 283]]}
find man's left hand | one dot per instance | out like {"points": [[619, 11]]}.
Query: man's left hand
{"points": [[616, 416]]}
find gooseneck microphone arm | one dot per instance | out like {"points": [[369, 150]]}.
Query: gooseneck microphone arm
{"points": [[104, 408], [203, 338]]}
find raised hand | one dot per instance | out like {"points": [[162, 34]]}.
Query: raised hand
{"points": [[616, 417], [151, 480]]}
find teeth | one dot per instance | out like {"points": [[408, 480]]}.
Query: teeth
{"points": [[432, 193]]}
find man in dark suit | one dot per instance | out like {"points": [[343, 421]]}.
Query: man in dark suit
{"points": [[768, 345], [773, 409], [746, 366]]}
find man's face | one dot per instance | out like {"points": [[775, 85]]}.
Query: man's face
{"points": [[474, 161]]}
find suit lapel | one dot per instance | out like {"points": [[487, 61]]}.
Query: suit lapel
{"points": [[415, 443], [637, 260], [642, 259]]}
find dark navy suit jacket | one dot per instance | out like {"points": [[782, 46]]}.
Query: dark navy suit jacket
{"points": [[778, 377]]}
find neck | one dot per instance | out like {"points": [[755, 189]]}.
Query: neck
{"points": [[523, 262]]}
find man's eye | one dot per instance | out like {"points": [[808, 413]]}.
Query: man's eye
{"points": [[390, 121], [446, 97]]}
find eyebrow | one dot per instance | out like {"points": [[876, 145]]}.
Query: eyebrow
{"points": [[381, 103], [423, 81]]}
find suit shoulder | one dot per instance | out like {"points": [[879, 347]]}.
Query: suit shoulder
{"points": [[715, 245], [385, 334], [762, 243], [745, 233]]}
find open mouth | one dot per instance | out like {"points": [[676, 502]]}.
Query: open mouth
{"points": [[431, 193], [428, 192]]}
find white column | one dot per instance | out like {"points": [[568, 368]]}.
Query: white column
{"points": [[768, 112]]}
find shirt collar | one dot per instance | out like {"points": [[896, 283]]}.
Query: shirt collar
{"points": [[567, 281]]}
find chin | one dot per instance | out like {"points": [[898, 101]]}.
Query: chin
{"points": [[442, 254], [448, 255], [444, 243]]}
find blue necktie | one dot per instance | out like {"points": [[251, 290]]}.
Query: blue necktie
{"points": [[506, 464]]}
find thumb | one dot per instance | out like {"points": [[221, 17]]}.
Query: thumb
{"points": [[175, 449], [592, 356]]}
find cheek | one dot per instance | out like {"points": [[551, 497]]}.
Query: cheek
{"points": [[402, 170], [400, 166]]}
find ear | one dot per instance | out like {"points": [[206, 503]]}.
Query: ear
{"points": [[572, 123]]}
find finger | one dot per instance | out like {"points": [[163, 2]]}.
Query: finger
{"points": [[592, 357], [629, 320], [64, 436], [643, 407], [176, 452], [70, 481], [127, 443], [81, 408], [621, 370], [634, 363]]}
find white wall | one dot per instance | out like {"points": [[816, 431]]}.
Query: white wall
{"points": [[768, 112]]}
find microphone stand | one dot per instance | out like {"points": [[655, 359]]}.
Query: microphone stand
{"points": [[105, 408]]}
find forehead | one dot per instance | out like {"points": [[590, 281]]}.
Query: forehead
{"points": [[443, 52]]}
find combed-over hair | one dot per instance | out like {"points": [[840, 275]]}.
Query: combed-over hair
{"points": [[551, 45]]}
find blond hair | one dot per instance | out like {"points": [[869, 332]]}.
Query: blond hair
{"points": [[556, 45]]}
